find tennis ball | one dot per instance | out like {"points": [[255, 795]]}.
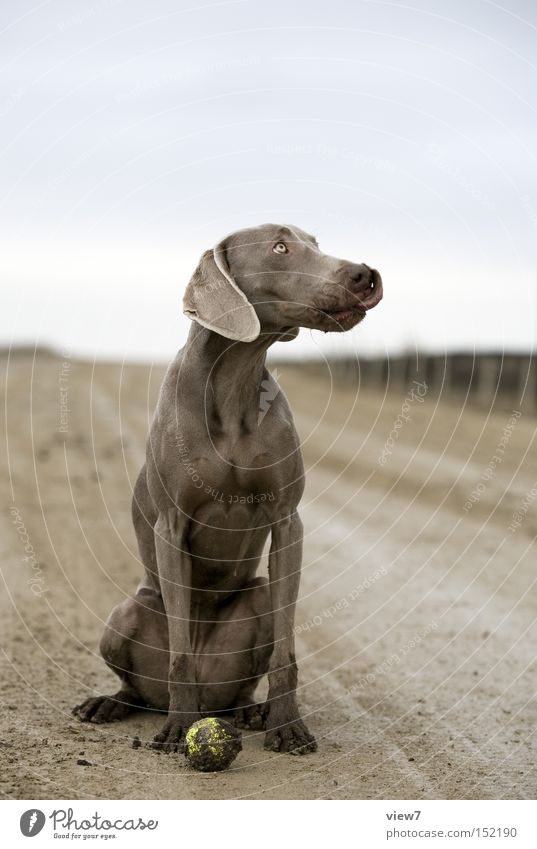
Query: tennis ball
{"points": [[212, 744]]}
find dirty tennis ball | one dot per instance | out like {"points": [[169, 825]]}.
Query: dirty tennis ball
{"points": [[212, 744]]}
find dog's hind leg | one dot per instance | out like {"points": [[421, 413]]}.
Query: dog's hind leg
{"points": [[236, 654], [134, 628], [248, 712], [135, 647], [115, 649]]}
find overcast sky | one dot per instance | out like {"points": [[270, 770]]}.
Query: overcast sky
{"points": [[134, 135]]}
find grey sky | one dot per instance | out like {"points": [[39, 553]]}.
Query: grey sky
{"points": [[134, 135]]}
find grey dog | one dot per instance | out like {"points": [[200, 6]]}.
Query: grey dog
{"points": [[219, 478]]}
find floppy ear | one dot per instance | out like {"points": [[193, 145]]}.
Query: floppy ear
{"points": [[213, 299]]}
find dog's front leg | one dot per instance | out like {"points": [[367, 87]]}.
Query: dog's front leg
{"points": [[286, 732], [175, 573]]}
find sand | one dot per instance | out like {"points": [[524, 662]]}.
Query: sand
{"points": [[416, 625]]}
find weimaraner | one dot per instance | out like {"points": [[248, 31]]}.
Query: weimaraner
{"points": [[220, 477]]}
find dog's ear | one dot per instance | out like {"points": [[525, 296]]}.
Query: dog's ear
{"points": [[213, 299]]}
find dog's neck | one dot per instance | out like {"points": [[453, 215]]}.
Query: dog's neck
{"points": [[230, 375]]}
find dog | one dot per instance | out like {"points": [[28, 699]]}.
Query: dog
{"points": [[220, 477]]}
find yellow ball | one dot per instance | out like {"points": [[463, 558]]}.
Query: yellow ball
{"points": [[212, 744]]}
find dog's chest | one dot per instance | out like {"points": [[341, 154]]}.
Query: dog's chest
{"points": [[239, 478], [227, 533], [231, 484], [240, 466]]}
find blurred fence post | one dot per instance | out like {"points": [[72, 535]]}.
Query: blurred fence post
{"points": [[527, 384], [372, 372], [487, 380], [396, 374]]}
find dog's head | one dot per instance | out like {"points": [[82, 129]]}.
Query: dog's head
{"points": [[273, 279]]}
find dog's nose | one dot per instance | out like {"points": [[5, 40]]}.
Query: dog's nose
{"points": [[360, 277]]}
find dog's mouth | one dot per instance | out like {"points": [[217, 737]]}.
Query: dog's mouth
{"points": [[341, 318], [347, 315]]}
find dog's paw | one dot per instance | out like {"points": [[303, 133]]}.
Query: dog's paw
{"points": [[251, 716], [172, 736], [292, 737], [104, 708]]}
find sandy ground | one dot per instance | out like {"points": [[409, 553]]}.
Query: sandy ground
{"points": [[417, 631]]}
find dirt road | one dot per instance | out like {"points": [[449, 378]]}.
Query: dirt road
{"points": [[416, 627]]}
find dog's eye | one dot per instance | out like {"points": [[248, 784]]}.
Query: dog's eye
{"points": [[280, 248]]}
